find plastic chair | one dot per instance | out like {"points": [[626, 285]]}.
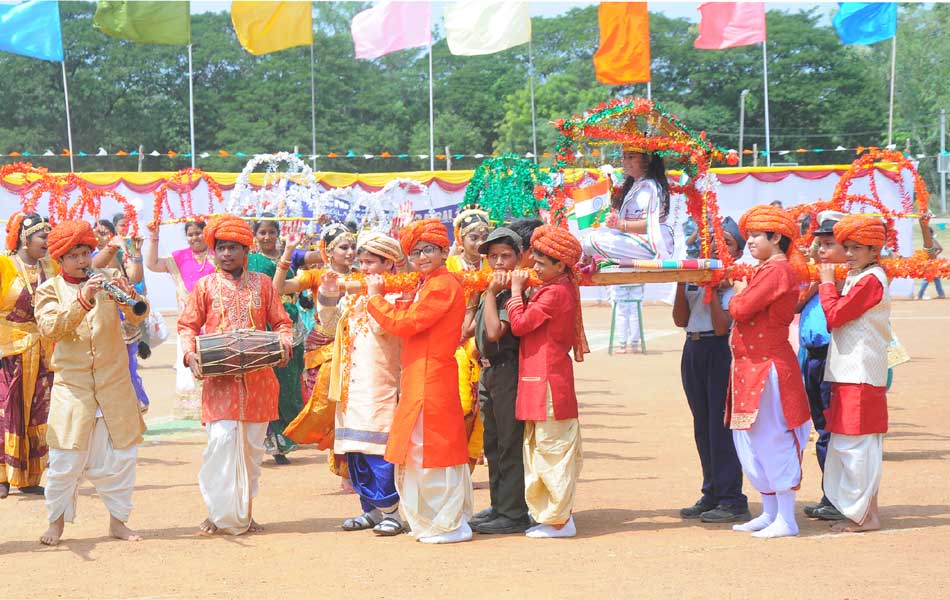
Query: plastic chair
{"points": [[613, 322]]}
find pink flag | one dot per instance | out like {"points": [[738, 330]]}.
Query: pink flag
{"points": [[391, 26], [730, 24]]}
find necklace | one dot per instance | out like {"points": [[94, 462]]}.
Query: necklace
{"points": [[472, 265], [204, 259], [25, 271]]}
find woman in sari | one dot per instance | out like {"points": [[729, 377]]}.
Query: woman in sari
{"points": [[265, 260], [186, 267], [25, 378], [315, 423]]}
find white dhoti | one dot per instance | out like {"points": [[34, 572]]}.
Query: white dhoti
{"points": [[230, 470], [111, 472], [771, 453], [853, 472], [552, 465], [433, 501], [187, 390]]}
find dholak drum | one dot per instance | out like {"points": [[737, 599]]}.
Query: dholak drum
{"points": [[237, 352]]}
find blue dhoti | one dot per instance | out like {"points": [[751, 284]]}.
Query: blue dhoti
{"points": [[374, 480]]}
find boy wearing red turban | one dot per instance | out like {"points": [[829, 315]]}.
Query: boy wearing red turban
{"points": [[94, 425], [767, 409], [234, 409], [427, 441], [549, 326], [859, 321]]}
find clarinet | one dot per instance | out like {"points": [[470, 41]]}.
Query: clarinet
{"points": [[138, 306]]}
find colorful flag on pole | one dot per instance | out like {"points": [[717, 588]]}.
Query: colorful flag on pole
{"points": [[624, 52], [145, 22], [391, 26], [866, 22], [32, 29], [475, 27], [591, 203], [265, 27], [730, 24]]}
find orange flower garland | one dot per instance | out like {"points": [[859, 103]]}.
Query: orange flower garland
{"points": [[401, 283], [183, 182]]}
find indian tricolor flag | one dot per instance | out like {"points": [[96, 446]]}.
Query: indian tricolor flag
{"points": [[591, 203]]}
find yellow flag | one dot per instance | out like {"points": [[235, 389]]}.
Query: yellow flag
{"points": [[264, 27]]}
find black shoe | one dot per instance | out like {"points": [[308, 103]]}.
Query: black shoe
{"points": [[695, 511], [144, 350], [482, 516], [811, 510], [36, 490], [502, 524], [280, 459], [829, 513], [726, 514]]}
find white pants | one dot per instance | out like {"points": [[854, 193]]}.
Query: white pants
{"points": [[628, 323], [853, 472], [230, 470], [111, 472], [433, 501], [614, 244], [771, 453]]}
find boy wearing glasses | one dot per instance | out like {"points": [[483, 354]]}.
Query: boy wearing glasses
{"points": [[427, 441]]}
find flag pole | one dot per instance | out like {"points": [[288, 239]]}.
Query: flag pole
{"points": [[191, 106], [313, 113], [69, 123], [431, 117], [890, 115], [534, 127], [765, 72]]}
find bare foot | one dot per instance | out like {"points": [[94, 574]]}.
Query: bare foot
{"points": [[255, 527], [207, 528], [121, 531], [872, 523], [54, 533]]}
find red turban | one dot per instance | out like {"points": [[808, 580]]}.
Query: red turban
{"points": [[229, 229], [68, 235], [768, 218], [426, 230], [560, 245], [862, 229]]}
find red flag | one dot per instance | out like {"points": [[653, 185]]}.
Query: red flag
{"points": [[624, 52], [730, 24]]}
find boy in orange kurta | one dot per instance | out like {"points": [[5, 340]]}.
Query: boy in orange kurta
{"points": [[427, 442]]}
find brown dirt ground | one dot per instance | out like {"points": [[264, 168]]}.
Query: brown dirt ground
{"points": [[640, 468]]}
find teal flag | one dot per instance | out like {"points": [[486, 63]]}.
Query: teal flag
{"points": [[866, 22], [145, 22], [32, 29]]}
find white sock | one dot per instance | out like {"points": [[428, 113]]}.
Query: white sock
{"points": [[462, 534], [549, 531], [769, 510], [784, 524]]}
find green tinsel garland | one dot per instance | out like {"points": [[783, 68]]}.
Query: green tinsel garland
{"points": [[503, 187]]}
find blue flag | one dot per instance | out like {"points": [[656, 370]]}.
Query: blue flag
{"points": [[32, 29], [866, 22]]}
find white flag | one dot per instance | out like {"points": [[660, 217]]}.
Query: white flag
{"points": [[475, 27]]}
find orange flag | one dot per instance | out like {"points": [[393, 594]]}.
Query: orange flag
{"points": [[624, 53]]}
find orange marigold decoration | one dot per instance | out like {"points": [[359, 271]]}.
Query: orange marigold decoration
{"points": [[183, 182]]}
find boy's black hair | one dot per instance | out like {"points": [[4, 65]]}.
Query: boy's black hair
{"points": [[550, 258], [524, 228], [784, 243], [197, 223]]}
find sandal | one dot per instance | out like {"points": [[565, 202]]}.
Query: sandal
{"points": [[388, 527], [364, 521]]}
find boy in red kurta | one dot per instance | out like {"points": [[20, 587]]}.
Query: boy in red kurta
{"points": [[768, 409], [549, 325], [859, 321], [234, 409], [427, 442]]}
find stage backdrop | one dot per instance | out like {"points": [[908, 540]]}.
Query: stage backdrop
{"points": [[738, 190]]}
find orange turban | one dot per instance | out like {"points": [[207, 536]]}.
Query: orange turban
{"points": [[560, 245], [425, 230], [768, 218], [863, 229], [230, 229], [68, 235]]}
